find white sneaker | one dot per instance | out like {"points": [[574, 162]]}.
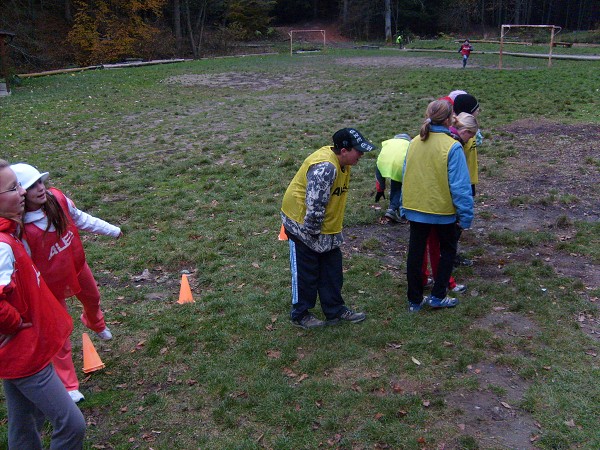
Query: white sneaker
{"points": [[105, 334], [76, 396]]}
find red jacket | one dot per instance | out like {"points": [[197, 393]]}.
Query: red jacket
{"points": [[465, 49], [27, 298], [59, 258]]}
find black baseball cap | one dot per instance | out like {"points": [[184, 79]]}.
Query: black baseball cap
{"points": [[350, 138]]}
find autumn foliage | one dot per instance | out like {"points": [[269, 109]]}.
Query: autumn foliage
{"points": [[111, 30]]}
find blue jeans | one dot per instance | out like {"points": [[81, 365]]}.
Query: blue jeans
{"points": [[395, 190]]}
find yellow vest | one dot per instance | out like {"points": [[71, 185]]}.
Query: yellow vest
{"points": [[470, 149], [294, 200], [425, 186], [391, 158]]}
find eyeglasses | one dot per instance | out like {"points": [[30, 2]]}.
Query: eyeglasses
{"points": [[13, 189]]}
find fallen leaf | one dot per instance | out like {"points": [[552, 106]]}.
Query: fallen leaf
{"points": [[394, 345], [355, 387], [447, 344], [421, 440], [289, 372], [570, 423], [274, 354], [426, 403], [415, 360], [255, 265], [534, 438], [397, 388], [402, 413], [506, 405], [319, 404], [378, 416], [163, 350], [124, 409], [303, 377]]}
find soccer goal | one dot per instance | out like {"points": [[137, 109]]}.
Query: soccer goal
{"points": [[303, 41], [531, 33]]}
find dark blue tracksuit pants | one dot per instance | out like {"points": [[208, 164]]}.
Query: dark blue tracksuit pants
{"points": [[315, 273]]}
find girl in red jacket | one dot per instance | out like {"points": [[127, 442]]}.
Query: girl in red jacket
{"points": [[33, 327], [51, 222]]}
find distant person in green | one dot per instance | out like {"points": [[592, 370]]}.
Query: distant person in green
{"points": [[400, 41], [390, 163]]}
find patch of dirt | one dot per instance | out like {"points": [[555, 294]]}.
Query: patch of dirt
{"points": [[491, 414], [404, 61], [235, 80]]}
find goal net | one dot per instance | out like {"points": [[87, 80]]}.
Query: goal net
{"points": [[528, 35], [303, 41]]}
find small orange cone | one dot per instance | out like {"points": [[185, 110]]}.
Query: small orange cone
{"points": [[91, 360], [185, 293], [282, 235]]}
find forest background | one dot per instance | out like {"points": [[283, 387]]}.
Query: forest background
{"points": [[63, 33]]}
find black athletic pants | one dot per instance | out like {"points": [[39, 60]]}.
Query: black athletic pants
{"points": [[448, 236]]}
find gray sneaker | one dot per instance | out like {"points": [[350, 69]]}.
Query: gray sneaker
{"points": [[307, 322], [393, 215], [348, 316]]}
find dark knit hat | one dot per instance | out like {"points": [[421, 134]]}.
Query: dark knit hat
{"points": [[465, 103]]}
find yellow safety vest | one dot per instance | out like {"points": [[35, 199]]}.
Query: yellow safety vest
{"points": [[425, 186], [294, 200], [470, 149], [391, 158]]}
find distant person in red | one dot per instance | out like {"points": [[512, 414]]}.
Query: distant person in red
{"points": [[465, 50]]}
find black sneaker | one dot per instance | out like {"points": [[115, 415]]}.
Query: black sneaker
{"points": [[460, 260], [307, 322], [348, 316]]}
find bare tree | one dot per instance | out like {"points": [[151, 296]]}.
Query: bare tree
{"points": [[388, 22]]}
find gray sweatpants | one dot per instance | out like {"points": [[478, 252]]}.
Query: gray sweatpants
{"points": [[41, 396]]}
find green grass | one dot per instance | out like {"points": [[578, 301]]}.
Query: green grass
{"points": [[195, 175]]}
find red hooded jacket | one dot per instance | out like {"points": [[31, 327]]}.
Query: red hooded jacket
{"points": [[27, 298]]}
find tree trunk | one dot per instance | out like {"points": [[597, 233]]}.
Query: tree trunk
{"points": [[68, 11], [344, 12], [177, 20], [188, 21], [388, 22]]}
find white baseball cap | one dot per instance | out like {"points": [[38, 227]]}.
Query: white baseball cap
{"points": [[27, 175]]}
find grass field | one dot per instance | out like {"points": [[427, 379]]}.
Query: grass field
{"points": [[192, 160]]}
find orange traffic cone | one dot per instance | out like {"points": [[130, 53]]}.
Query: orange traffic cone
{"points": [[282, 235], [91, 360], [185, 293]]}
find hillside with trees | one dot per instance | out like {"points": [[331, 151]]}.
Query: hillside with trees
{"points": [[62, 33]]}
